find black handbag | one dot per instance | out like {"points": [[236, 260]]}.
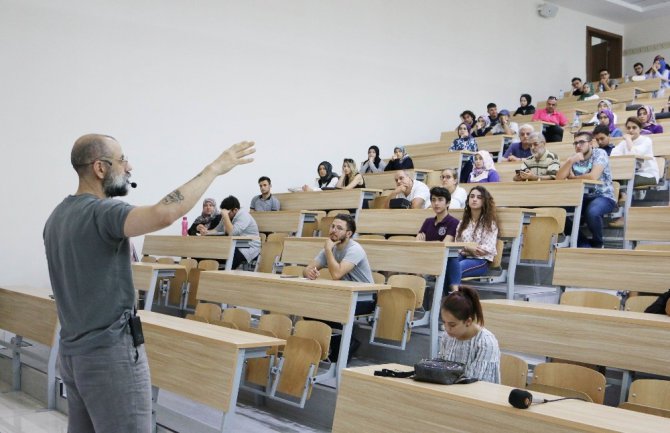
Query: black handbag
{"points": [[438, 370]]}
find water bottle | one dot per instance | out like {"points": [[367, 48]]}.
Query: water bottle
{"points": [[184, 226], [560, 94], [626, 78], [575, 121]]}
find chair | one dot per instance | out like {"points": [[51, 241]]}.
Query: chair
{"points": [[165, 260], [277, 237], [414, 282], [324, 274], [572, 377], [539, 238], [208, 311], [269, 257], [240, 317], [293, 270], [148, 259], [196, 318], [194, 279], [334, 212], [393, 315], [278, 324], [315, 330], [324, 226], [258, 369], [180, 282], [590, 298], [380, 202], [639, 303], [263, 237], [378, 278], [513, 371], [296, 369], [650, 392], [223, 324]]}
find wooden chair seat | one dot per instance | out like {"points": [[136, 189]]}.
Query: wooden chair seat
{"points": [[318, 331], [208, 311], [278, 324], [194, 279], [269, 257], [590, 298], [293, 270], [258, 369], [513, 371], [240, 317], [300, 355], [650, 392], [395, 305], [562, 392], [539, 238], [414, 282], [573, 377], [639, 303], [223, 324]]}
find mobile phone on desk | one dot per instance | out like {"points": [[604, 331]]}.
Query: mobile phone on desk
{"points": [[288, 276]]}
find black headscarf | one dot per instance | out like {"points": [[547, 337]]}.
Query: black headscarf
{"points": [[377, 158], [325, 180]]}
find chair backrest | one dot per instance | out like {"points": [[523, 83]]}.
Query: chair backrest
{"points": [[414, 282], [299, 354], [571, 376], [379, 202], [334, 212], [394, 305], [650, 392], [188, 264], [539, 237], [589, 298], [194, 278], [513, 371], [238, 316], [148, 259], [279, 324], [276, 237], [208, 311], [639, 303], [166, 260], [293, 270], [378, 278], [270, 254], [208, 265], [223, 324], [324, 226], [196, 318], [263, 237], [497, 260], [324, 274], [318, 331]]}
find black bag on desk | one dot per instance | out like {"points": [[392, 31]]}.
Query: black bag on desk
{"points": [[400, 203], [438, 370]]}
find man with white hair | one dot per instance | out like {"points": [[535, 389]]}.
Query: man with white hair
{"points": [[521, 149]]}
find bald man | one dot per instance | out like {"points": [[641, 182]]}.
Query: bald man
{"points": [[103, 362]]}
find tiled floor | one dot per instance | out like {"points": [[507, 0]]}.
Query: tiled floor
{"points": [[20, 413]]}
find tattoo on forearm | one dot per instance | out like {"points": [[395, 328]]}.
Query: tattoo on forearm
{"points": [[174, 197]]}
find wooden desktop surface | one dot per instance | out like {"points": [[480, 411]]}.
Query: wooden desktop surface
{"points": [[28, 312], [620, 339], [206, 247], [195, 359], [324, 200], [372, 404], [320, 299]]}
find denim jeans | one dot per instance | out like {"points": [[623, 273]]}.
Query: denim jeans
{"points": [[108, 389], [593, 209], [462, 266]]}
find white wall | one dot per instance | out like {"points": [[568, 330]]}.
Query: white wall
{"points": [[645, 35], [176, 81]]}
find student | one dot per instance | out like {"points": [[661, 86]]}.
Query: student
{"points": [[400, 160], [646, 173], [601, 134], [541, 165], [209, 217], [484, 170], [606, 118], [554, 120], [467, 117], [465, 339], [524, 106], [465, 141], [327, 178], [639, 72], [606, 83], [479, 226], [603, 104], [265, 201], [449, 178], [577, 86], [521, 149], [482, 126], [350, 178], [416, 192], [236, 222], [588, 94], [646, 116], [590, 163], [505, 126], [374, 164], [441, 227]]}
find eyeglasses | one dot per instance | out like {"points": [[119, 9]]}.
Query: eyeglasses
{"points": [[580, 142], [123, 160]]}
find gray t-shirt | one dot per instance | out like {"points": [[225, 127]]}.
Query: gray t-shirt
{"points": [[354, 253], [244, 225], [89, 267], [259, 204]]}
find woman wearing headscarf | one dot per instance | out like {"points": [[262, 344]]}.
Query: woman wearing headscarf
{"points": [[646, 116], [209, 218], [606, 118], [588, 93], [465, 141], [660, 69], [484, 170], [374, 164], [482, 126], [603, 104], [400, 160], [524, 105], [327, 178]]}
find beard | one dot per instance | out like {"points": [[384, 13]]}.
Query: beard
{"points": [[115, 186], [335, 238]]}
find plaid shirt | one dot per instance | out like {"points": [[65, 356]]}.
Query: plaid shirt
{"points": [[548, 164]]}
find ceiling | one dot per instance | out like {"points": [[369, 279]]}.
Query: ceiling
{"points": [[620, 11]]}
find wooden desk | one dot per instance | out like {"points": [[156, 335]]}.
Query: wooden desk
{"points": [[621, 339], [386, 180], [201, 247], [440, 161], [286, 221], [30, 313], [372, 404], [327, 200], [556, 193], [320, 299], [642, 86], [146, 275], [648, 224], [200, 361]]}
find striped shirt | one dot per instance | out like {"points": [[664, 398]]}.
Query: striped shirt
{"points": [[480, 355], [548, 165]]}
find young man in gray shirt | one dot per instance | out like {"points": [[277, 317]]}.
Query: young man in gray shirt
{"points": [[87, 245], [265, 201]]}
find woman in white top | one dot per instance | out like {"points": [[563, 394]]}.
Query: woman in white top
{"points": [[465, 339], [327, 178], [449, 180], [646, 172]]}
